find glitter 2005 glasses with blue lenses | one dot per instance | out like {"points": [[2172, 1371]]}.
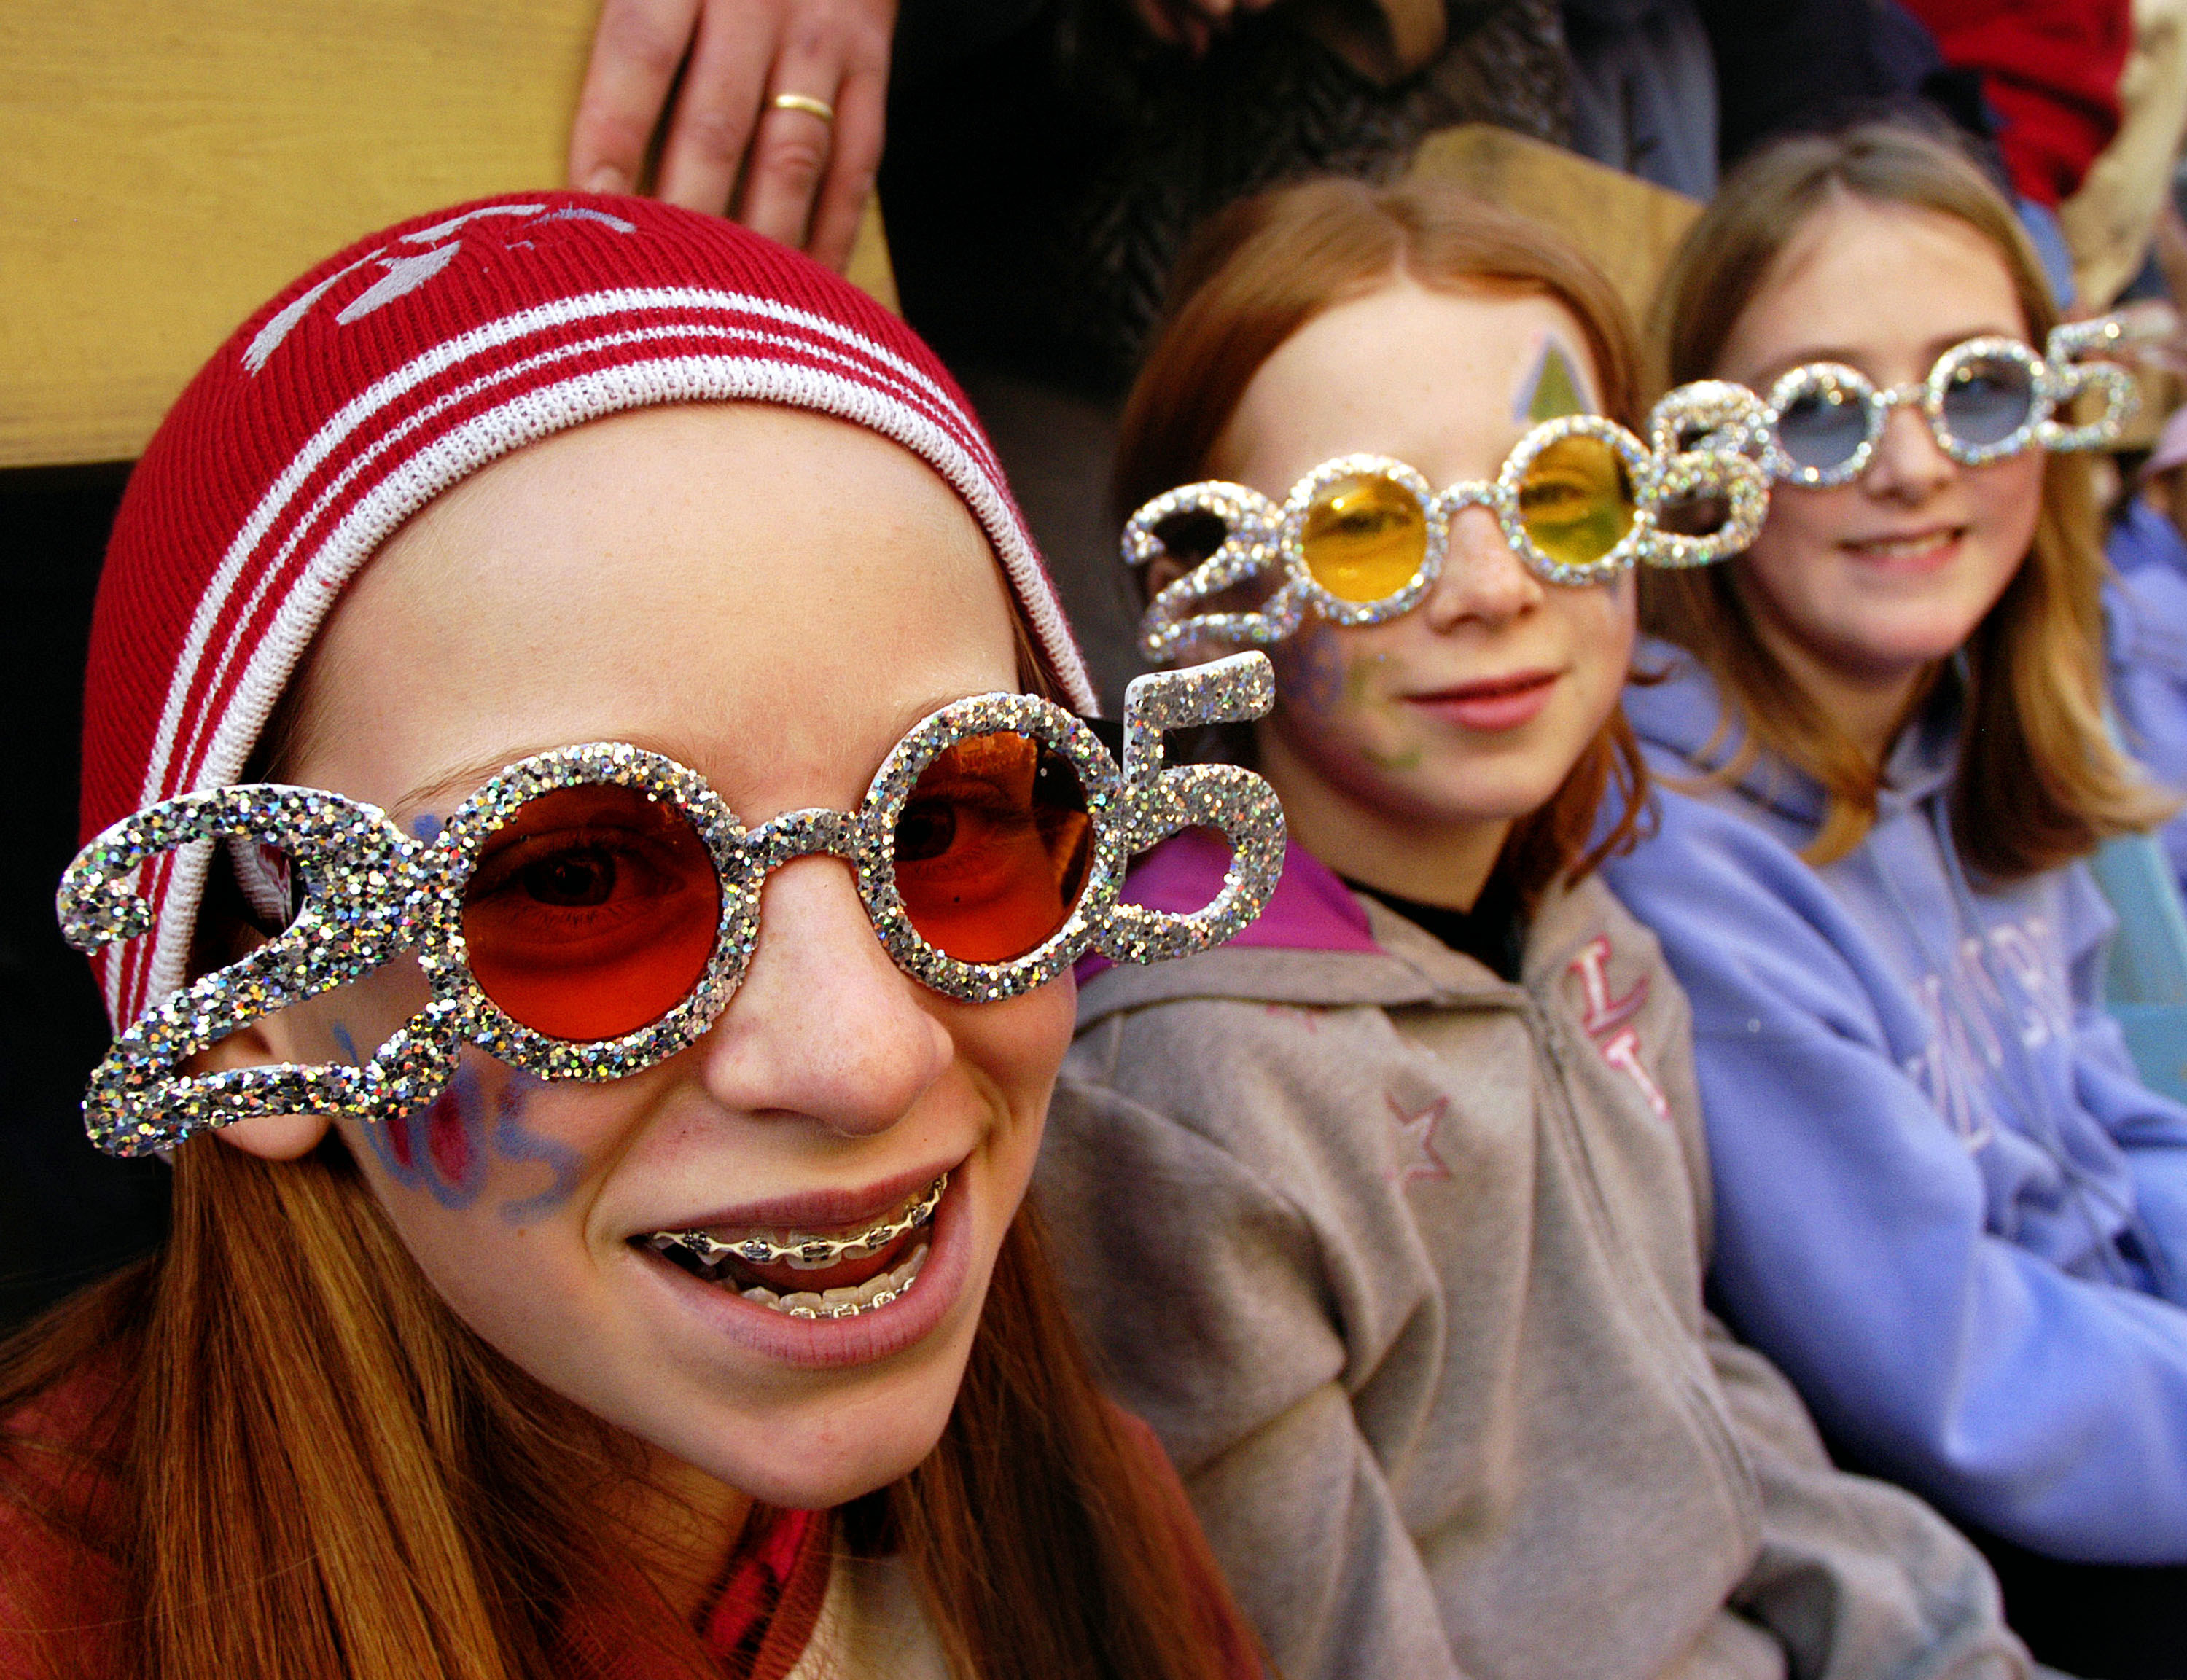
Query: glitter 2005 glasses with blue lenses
{"points": [[1984, 399], [590, 911]]}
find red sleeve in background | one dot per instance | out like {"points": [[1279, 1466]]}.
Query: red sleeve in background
{"points": [[65, 1602], [2050, 69]]}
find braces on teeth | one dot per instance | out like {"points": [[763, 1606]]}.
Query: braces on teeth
{"points": [[806, 1253], [875, 1293]]}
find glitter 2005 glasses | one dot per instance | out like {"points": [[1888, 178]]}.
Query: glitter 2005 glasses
{"points": [[1362, 539], [1984, 399], [590, 911]]}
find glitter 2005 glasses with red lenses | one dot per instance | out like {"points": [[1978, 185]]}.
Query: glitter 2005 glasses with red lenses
{"points": [[591, 910]]}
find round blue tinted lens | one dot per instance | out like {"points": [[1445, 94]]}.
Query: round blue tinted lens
{"points": [[1988, 399], [1822, 430]]}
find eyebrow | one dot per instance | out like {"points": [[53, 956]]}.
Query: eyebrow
{"points": [[1774, 371], [443, 792], [445, 789]]}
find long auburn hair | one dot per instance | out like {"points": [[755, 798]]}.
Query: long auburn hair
{"points": [[1258, 272], [306, 1468], [2039, 781]]}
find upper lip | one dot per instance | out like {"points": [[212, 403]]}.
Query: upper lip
{"points": [[1482, 688], [816, 1210]]}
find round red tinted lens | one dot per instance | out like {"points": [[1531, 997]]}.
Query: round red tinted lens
{"points": [[592, 911], [991, 848]]}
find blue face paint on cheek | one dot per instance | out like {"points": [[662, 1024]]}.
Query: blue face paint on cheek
{"points": [[513, 1141], [442, 1150], [1309, 674]]}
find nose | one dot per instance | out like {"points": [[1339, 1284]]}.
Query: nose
{"points": [[824, 1025], [1909, 464], [1482, 579]]}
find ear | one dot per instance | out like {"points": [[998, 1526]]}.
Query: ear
{"points": [[270, 1137], [1162, 571]]}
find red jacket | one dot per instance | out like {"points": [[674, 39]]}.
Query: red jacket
{"points": [[2050, 69], [56, 1483]]}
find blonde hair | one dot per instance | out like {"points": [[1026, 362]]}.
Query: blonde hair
{"points": [[2040, 782]]}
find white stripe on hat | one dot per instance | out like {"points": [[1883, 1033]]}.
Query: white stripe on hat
{"points": [[442, 359], [181, 766]]}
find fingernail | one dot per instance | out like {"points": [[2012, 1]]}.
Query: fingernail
{"points": [[607, 178]]}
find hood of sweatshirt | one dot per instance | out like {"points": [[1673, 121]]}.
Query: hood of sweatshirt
{"points": [[1318, 942], [1683, 715]]}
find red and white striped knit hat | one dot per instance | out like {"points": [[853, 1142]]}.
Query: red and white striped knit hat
{"points": [[397, 368]]}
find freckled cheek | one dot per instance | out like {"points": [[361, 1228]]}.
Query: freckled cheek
{"points": [[1015, 1049], [1600, 625], [2008, 501], [1801, 534]]}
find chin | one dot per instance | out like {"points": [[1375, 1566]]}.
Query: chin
{"points": [[1467, 799], [1482, 789], [1903, 641], [830, 1461]]}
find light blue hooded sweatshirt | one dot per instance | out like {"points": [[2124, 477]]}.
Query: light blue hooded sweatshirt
{"points": [[1947, 1208], [2145, 647]]}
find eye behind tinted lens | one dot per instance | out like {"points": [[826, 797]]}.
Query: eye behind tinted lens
{"points": [[1576, 501], [1988, 399], [591, 912], [993, 847], [1823, 428], [1365, 538]]}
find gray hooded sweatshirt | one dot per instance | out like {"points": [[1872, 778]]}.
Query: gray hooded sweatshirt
{"points": [[1404, 1262]]}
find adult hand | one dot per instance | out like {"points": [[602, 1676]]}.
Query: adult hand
{"points": [[789, 174]]}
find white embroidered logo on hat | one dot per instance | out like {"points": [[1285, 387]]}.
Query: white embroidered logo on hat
{"points": [[404, 274]]}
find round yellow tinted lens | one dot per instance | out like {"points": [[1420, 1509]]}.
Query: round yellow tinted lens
{"points": [[1365, 538], [1576, 501]]}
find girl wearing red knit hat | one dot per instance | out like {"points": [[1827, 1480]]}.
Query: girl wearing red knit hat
{"points": [[585, 835]]}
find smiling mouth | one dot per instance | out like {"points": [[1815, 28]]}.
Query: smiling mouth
{"points": [[808, 1274], [1490, 688], [1913, 546]]}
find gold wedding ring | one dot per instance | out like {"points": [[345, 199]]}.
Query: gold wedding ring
{"points": [[804, 101]]}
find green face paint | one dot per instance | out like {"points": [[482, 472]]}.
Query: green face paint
{"points": [[1552, 391], [1361, 694]]}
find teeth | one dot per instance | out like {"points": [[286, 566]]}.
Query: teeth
{"points": [[1899, 547], [799, 1250], [877, 1291]]}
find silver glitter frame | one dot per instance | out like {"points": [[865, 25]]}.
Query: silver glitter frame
{"points": [[2055, 380], [370, 893], [1263, 539]]}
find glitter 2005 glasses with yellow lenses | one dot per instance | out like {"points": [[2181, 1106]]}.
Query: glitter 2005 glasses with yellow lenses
{"points": [[1362, 538]]}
